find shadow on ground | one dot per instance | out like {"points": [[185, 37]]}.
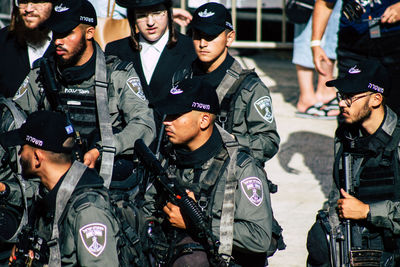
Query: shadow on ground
{"points": [[317, 151]]}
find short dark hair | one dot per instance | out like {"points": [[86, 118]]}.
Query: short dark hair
{"points": [[62, 158], [173, 32]]}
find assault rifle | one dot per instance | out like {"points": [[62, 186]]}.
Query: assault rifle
{"points": [[30, 249], [51, 92], [189, 208], [351, 252]]}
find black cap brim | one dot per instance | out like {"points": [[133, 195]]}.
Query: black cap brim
{"points": [[347, 86], [12, 138], [163, 108], [207, 28]]}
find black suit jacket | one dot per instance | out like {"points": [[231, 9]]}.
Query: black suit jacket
{"points": [[14, 65], [171, 60]]}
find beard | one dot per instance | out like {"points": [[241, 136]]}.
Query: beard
{"points": [[26, 166], [77, 53], [24, 35]]}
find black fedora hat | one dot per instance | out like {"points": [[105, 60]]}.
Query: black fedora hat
{"points": [[142, 3]]}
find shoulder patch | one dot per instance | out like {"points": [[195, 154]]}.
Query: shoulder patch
{"points": [[264, 107], [94, 238], [22, 89], [253, 189], [136, 87]]}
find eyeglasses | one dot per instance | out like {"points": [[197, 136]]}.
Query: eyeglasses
{"points": [[348, 99], [156, 15], [23, 3]]}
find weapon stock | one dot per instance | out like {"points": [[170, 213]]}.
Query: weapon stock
{"points": [[178, 195], [51, 92]]}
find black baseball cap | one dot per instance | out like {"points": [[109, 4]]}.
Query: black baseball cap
{"points": [[67, 14], [211, 19], [143, 3], [367, 75], [46, 130], [190, 94]]}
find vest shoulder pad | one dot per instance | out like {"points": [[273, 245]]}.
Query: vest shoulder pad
{"points": [[243, 158], [85, 198], [250, 81], [118, 64]]}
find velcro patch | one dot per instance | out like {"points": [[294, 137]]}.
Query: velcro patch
{"points": [[136, 87], [94, 238], [253, 189], [264, 107]]}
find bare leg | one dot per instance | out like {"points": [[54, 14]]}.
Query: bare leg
{"points": [[324, 93], [307, 95]]}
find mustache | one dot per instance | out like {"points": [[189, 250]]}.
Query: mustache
{"points": [[59, 47]]}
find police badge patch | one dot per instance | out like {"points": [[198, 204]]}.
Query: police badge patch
{"points": [[264, 107], [253, 189], [22, 89], [136, 87], [94, 238]]}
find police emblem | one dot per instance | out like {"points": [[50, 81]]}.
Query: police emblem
{"points": [[22, 89], [136, 87], [253, 189], [264, 107], [94, 238]]}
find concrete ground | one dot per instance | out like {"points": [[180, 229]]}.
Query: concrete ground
{"points": [[303, 166]]}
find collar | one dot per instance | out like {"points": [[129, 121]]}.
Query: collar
{"points": [[191, 159], [45, 44], [78, 74], [215, 77], [158, 45]]}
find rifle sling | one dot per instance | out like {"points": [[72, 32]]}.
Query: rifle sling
{"points": [[68, 185]]}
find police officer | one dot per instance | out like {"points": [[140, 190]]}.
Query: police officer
{"points": [[156, 48], [367, 29], [206, 161], [246, 105], [22, 42], [79, 67], [370, 133], [81, 233]]}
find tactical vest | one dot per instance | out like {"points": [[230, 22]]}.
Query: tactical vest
{"points": [[375, 176], [81, 105]]}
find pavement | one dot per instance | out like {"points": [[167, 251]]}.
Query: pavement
{"points": [[302, 169]]}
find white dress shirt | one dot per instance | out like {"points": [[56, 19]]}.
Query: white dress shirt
{"points": [[35, 52], [150, 54]]}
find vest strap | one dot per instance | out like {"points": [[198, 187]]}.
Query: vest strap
{"points": [[107, 137]]}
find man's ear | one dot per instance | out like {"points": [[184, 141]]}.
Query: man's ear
{"points": [[90, 31], [205, 120], [230, 38], [38, 157], [377, 100]]}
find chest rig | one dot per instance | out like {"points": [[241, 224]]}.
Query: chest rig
{"points": [[375, 175]]}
